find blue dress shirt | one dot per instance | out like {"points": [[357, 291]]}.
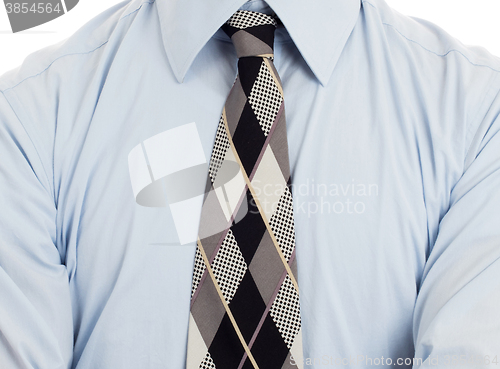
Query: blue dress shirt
{"points": [[393, 130]]}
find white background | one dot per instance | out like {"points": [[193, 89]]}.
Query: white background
{"points": [[474, 22]]}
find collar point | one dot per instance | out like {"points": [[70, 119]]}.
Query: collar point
{"points": [[179, 75]]}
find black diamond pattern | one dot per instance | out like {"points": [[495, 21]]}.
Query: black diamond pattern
{"points": [[248, 71], [247, 306], [263, 33], [248, 139], [269, 350], [249, 230], [226, 349]]}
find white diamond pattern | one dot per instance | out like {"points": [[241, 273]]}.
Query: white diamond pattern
{"points": [[285, 311], [199, 269], [229, 266], [282, 224], [221, 145], [244, 19], [207, 362], [265, 98]]}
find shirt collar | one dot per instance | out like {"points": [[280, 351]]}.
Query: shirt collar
{"points": [[319, 29]]}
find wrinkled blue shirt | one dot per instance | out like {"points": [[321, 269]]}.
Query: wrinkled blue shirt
{"points": [[393, 131]]}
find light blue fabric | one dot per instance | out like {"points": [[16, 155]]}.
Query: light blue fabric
{"points": [[395, 158]]}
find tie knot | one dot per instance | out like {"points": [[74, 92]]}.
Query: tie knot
{"points": [[252, 33]]}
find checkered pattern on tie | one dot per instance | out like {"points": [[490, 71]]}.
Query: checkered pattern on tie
{"points": [[245, 308]]}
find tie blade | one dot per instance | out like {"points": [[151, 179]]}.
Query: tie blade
{"points": [[245, 296]]}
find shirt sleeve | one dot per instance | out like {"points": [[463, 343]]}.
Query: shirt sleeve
{"points": [[36, 328], [457, 312]]}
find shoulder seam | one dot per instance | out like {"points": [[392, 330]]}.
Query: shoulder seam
{"points": [[81, 53], [442, 55], [430, 51], [53, 61], [138, 8]]}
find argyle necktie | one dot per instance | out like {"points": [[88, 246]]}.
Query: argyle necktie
{"points": [[245, 310]]}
